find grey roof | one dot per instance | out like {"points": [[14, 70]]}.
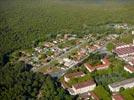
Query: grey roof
{"points": [[121, 83]]}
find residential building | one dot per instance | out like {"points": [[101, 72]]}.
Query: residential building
{"points": [[82, 87], [89, 67], [117, 97], [93, 96], [67, 77], [124, 50], [129, 68], [115, 87], [84, 96], [105, 64]]}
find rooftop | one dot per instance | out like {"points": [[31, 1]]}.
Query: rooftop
{"points": [[121, 83], [84, 84], [117, 97], [74, 74], [131, 68], [125, 50], [94, 96]]}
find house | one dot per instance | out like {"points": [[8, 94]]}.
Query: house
{"points": [[115, 87], [131, 62], [67, 77], [105, 64], [82, 87], [89, 67], [125, 50], [84, 96], [129, 68], [117, 97], [93, 96], [68, 62]]}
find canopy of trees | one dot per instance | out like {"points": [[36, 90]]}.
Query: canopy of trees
{"points": [[18, 83], [24, 21]]}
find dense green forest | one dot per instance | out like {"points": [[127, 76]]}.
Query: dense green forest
{"points": [[19, 83], [25, 21]]}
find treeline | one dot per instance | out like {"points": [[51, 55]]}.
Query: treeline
{"points": [[18, 83], [25, 21]]}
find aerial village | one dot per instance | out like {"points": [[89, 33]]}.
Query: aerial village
{"points": [[84, 66]]}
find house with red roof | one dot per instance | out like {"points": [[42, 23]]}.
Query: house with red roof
{"points": [[94, 96], [105, 64], [82, 87], [129, 68], [89, 67], [124, 50], [117, 97]]}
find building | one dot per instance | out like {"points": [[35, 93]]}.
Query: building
{"points": [[105, 64], [117, 97], [94, 96], [124, 50], [129, 68], [82, 87], [84, 96], [131, 62], [67, 77], [89, 67], [132, 32], [68, 62], [115, 87]]}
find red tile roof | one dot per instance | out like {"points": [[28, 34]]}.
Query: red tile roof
{"points": [[117, 97], [105, 62], [132, 61], [125, 50], [89, 67], [131, 68], [94, 96], [84, 84]]}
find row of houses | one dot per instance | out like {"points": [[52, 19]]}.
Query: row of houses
{"points": [[126, 52], [85, 89], [81, 87]]}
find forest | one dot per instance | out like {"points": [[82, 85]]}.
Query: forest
{"points": [[23, 22], [19, 83]]}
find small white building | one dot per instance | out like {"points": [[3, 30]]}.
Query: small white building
{"points": [[83, 87], [132, 32], [115, 87]]}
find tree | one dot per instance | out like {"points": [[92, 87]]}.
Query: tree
{"points": [[110, 46]]}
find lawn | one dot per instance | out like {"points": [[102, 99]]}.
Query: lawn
{"points": [[102, 93], [128, 94]]}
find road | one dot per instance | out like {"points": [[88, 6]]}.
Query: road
{"points": [[63, 55]]}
